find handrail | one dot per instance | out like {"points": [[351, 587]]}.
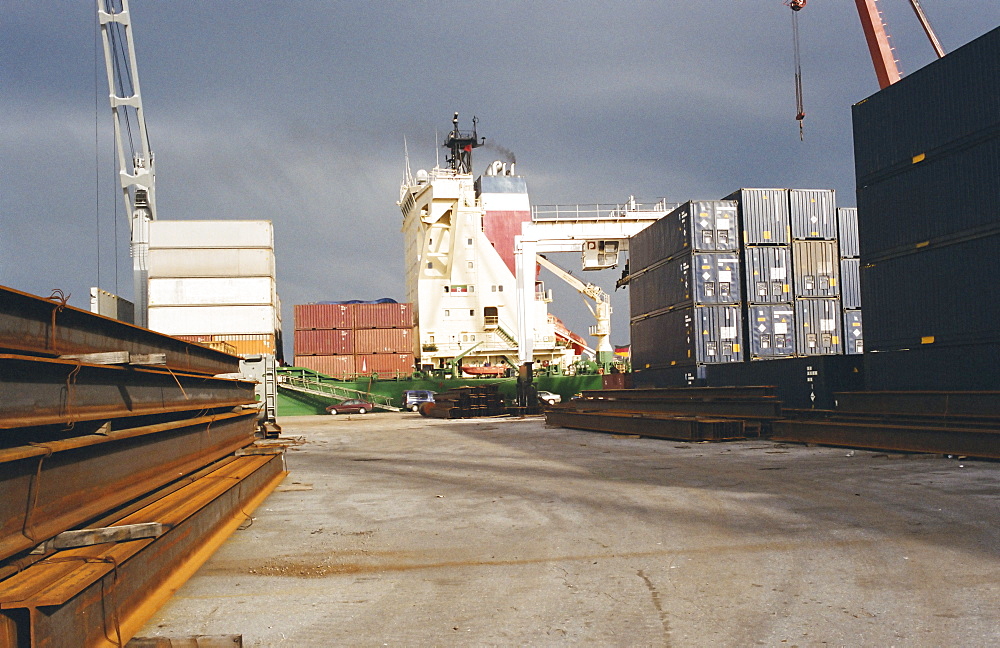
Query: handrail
{"points": [[318, 387]]}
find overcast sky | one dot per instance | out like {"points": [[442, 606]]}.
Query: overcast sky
{"points": [[296, 113]]}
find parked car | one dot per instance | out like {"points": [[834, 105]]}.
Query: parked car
{"points": [[350, 406], [549, 398], [414, 398]]}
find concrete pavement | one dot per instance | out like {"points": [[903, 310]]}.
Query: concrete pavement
{"points": [[397, 530]]}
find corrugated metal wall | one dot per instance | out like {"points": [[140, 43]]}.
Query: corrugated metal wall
{"points": [[819, 325], [816, 266], [813, 213], [771, 331], [768, 274], [763, 216]]}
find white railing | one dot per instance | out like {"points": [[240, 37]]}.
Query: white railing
{"points": [[597, 211]]}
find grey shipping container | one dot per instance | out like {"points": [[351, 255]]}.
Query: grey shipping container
{"points": [[763, 215], [818, 326], [688, 335], [767, 274], [813, 213], [847, 230], [695, 226], [816, 268], [770, 331], [850, 283], [702, 277], [935, 295], [854, 332], [924, 161]]}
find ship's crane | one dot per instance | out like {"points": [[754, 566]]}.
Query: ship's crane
{"points": [[136, 171], [601, 309]]}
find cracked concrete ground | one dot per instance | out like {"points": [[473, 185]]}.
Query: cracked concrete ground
{"points": [[397, 530]]}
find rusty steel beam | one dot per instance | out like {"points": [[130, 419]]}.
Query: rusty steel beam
{"points": [[983, 404], [973, 442], [102, 595], [54, 486], [748, 408], [33, 325], [46, 391], [681, 428]]}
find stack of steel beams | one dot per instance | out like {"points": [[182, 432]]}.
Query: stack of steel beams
{"points": [[103, 426], [956, 423], [465, 402], [691, 414]]}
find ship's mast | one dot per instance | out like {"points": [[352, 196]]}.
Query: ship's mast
{"points": [[136, 171], [461, 143]]}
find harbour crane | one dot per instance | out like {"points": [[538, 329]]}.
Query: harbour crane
{"points": [[136, 171], [601, 309], [886, 68]]}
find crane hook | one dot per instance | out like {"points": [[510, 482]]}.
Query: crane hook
{"points": [[797, 5]]}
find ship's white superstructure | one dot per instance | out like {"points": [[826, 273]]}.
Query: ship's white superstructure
{"points": [[458, 244]]}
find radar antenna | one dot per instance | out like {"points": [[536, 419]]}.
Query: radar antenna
{"points": [[461, 143]]}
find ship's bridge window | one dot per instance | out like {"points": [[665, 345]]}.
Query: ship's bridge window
{"points": [[472, 312], [469, 241]]}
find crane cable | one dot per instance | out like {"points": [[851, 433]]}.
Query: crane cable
{"points": [[800, 112]]}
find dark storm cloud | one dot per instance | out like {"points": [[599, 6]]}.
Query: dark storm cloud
{"points": [[298, 115]]}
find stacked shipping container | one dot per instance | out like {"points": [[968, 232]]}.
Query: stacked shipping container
{"points": [[689, 313], [767, 264], [928, 176], [816, 272], [686, 294], [213, 282], [850, 280], [354, 339]]}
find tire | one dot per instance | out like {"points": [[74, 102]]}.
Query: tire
{"points": [[415, 408], [551, 402], [362, 410], [333, 412]]}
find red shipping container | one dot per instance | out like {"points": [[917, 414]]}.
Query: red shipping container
{"points": [[384, 364], [324, 316], [324, 342], [368, 316], [335, 366], [399, 340]]}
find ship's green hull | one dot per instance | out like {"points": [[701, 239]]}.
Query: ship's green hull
{"points": [[295, 403]]}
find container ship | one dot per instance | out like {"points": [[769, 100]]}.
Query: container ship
{"points": [[464, 316]]}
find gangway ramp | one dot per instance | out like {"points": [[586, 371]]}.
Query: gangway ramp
{"points": [[315, 386]]}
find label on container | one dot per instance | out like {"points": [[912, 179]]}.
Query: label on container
{"points": [[778, 273], [827, 325], [722, 223], [725, 276], [780, 328], [727, 332]]}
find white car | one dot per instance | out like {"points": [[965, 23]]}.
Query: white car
{"points": [[549, 397]]}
